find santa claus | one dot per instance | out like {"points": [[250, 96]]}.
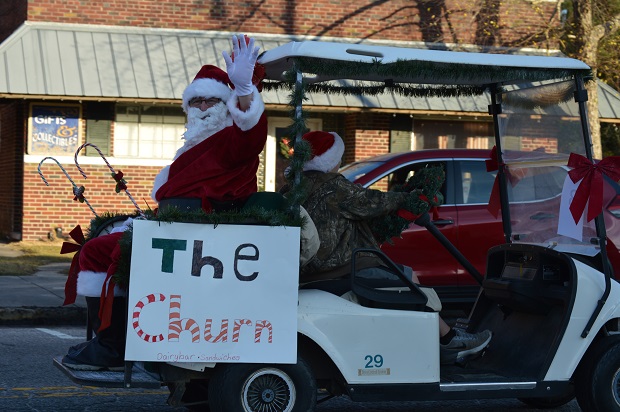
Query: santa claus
{"points": [[215, 170]]}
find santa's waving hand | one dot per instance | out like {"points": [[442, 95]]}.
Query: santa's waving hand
{"points": [[240, 66]]}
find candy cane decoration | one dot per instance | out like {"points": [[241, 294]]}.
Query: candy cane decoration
{"points": [[136, 317], [120, 182], [178, 325], [78, 192]]}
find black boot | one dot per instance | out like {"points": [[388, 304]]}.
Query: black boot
{"points": [[106, 351], [92, 306]]}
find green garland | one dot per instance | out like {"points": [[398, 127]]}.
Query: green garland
{"points": [[374, 89], [426, 182], [402, 69], [424, 188], [252, 215]]}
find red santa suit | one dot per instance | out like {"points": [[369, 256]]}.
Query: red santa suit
{"points": [[223, 166], [218, 164]]}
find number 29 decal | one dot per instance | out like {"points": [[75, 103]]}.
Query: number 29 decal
{"points": [[373, 361]]}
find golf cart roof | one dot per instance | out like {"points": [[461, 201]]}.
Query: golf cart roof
{"points": [[324, 61]]}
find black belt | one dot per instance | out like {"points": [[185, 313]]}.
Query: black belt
{"points": [[195, 203], [227, 205], [183, 203]]}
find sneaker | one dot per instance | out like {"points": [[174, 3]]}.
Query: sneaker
{"points": [[464, 344]]}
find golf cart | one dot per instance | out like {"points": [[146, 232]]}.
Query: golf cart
{"points": [[547, 295]]}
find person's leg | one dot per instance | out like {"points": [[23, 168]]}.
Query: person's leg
{"points": [[106, 349], [444, 328], [456, 343]]}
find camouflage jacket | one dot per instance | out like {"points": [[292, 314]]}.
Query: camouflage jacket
{"points": [[340, 210]]}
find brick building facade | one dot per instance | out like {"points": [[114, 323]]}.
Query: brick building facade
{"points": [[32, 211]]}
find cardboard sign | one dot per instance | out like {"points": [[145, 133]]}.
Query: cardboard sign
{"points": [[205, 293]]}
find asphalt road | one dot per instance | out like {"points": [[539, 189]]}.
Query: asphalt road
{"points": [[30, 382]]}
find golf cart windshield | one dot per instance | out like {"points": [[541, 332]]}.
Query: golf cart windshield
{"points": [[539, 127], [538, 110]]}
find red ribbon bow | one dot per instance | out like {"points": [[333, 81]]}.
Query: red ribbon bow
{"points": [[591, 187], [433, 205], [79, 194], [68, 247], [410, 216], [120, 182], [514, 177], [407, 215]]}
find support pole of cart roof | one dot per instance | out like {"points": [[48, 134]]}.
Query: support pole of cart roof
{"points": [[495, 109], [581, 97], [298, 116]]}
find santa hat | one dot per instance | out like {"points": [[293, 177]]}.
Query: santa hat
{"points": [[211, 81], [327, 150]]}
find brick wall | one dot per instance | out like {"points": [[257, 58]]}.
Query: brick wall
{"points": [[46, 208], [449, 21], [550, 144], [11, 158], [367, 134], [12, 14]]}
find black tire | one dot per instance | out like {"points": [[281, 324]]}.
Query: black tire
{"points": [[278, 388], [550, 402], [597, 379], [105, 227]]}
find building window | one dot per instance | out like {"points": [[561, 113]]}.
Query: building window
{"points": [[439, 134], [148, 132]]}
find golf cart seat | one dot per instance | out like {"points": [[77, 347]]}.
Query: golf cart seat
{"points": [[398, 292]]}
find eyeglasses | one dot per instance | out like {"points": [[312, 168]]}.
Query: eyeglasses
{"points": [[197, 101]]}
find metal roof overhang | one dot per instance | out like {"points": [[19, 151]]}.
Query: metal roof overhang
{"points": [[110, 63]]}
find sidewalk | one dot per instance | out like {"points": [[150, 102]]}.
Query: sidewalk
{"points": [[37, 299]]}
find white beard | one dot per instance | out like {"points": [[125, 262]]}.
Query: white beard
{"points": [[202, 125]]}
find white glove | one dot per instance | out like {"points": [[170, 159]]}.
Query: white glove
{"points": [[241, 70]]}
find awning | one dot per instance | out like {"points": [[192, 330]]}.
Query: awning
{"points": [[95, 62]]}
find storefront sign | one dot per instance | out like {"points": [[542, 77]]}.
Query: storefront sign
{"points": [[54, 128], [205, 293]]}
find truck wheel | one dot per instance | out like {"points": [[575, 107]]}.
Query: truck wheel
{"points": [[260, 387], [597, 379], [550, 402]]}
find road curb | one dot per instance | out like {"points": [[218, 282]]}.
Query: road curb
{"points": [[32, 315]]}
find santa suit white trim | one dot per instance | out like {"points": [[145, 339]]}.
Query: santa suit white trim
{"points": [[205, 88], [246, 120], [328, 160], [90, 284]]}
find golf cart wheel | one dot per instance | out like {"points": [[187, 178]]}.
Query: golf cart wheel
{"points": [[263, 388], [597, 379]]}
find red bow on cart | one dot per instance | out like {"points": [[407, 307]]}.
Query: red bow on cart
{"points": [[68, 247], [514, 177], [591, 187]]}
